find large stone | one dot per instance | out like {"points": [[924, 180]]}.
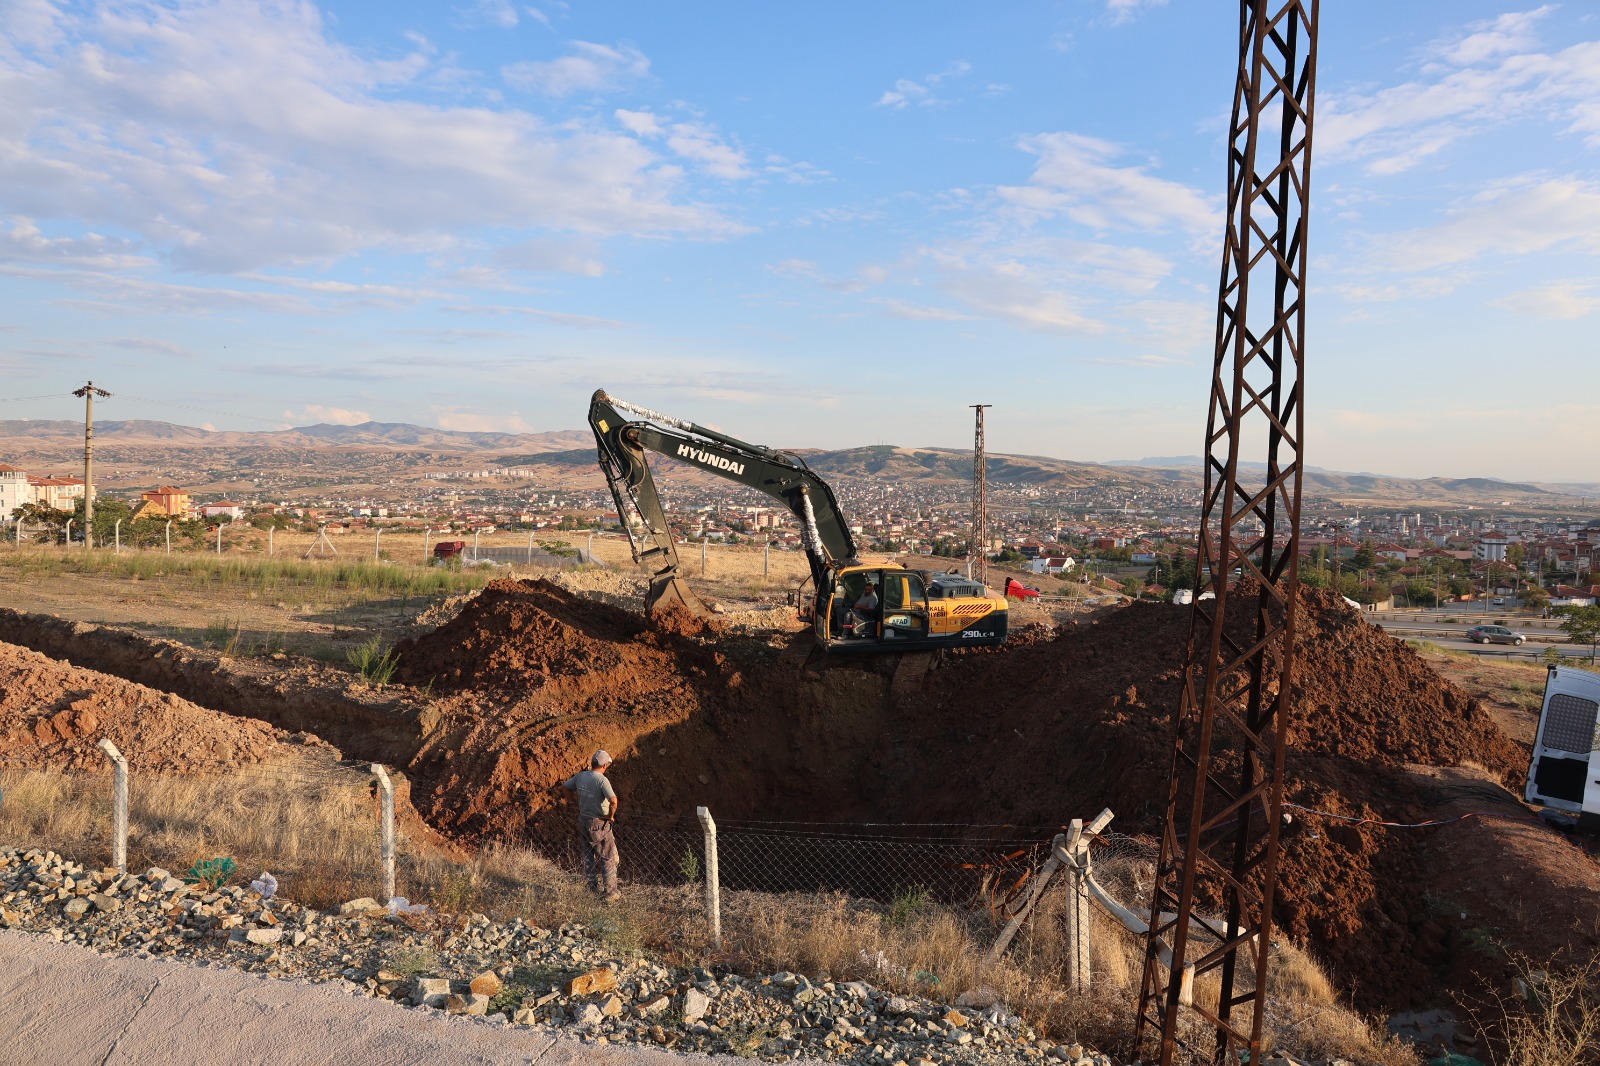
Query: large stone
{"points": [[487, 983], [955, 1018], [587, 1016], [896, 1006], [695, 1005], [612, 1006], [264, 936], [471, 1005], [77, 908], [655, 1006], [359, 906], [103, 902], [592, 983], [430, 991]]}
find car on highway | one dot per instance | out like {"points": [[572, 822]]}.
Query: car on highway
{"points": [[1494, 635]]}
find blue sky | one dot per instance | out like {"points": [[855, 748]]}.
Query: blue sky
{"points": [[818, 225]]}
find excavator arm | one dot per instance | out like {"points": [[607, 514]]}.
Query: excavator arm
{"points": [[623, 442]]}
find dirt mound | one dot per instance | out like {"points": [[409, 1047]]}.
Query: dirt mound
{"points": [[545, 677], [53, 714]]}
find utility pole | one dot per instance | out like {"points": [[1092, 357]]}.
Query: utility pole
{"points": [[88, 392], [979, 550]]}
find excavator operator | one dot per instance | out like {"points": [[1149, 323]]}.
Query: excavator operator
{"points": [[864, 613]]}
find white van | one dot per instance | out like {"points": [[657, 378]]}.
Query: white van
{"points": [[1565, 771]]}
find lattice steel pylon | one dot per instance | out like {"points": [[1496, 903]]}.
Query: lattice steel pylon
{"points": [[1216, 872], [978, 550]]}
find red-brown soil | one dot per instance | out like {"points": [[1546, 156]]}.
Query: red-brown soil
{"points": [[53, 714], [1040, 732]]}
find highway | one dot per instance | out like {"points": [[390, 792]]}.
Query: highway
{"points": [[1448, 626]]}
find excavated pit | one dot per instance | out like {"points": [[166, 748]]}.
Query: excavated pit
{"points": [[534, 679], [293, 695]]}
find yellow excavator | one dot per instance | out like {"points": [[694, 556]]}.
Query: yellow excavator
{"points": [[852, 606]]}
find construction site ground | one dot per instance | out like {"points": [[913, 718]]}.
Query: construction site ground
{"points": [[518, 683]]}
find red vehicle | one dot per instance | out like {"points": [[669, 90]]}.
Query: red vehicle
{"points": [[1017, 590], [447, 549]]}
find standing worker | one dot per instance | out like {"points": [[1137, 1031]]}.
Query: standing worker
{"points": [[597, 810]]}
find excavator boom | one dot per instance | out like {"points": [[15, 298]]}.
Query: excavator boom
{"points": [[623, 442]]}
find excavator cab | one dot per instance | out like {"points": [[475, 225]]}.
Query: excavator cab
{"points": [[915, 610]]}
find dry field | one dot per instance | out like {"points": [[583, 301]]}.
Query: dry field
{"points": [[313, 824]]}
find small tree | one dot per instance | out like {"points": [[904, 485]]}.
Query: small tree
{"points": [[1535, 598], [1582, 626]]}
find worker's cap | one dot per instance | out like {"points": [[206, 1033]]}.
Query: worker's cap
{"points": [[600, 758]]}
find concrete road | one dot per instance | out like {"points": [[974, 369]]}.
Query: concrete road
{"points": [[66, 1005]]}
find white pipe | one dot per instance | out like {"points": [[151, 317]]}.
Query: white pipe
{"points": [[654, 416]]}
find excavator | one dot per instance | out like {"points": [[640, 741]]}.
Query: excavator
{"points": [[908, 610]]}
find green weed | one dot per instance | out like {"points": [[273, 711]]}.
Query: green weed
{"points": [[373, 661], [907, 904]]}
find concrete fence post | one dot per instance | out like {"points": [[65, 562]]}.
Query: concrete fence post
{"points": [[530, 547], [270, 530], [19, 532], [116, 536], [377, 538], [119, 805], [387, 788], [427, 535], [169, 536], [219, 536], [1079, 960], [588, 551], [766, 560], [702, 556], [475, 533], [69, 533], [713, 877]]}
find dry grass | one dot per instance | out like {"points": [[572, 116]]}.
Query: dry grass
{"points": [[315, 828], [1555, 1019]]}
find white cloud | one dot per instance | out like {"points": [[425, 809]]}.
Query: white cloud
{"points": [[642, 123], [700, 144], [1492, 75], [317, 413], [1075, 177], [921, 93], [1554, 300], [921, 312], [1520, 216], [21, 241], [232, 134], [542, 255], [499, 13], [590, 68], [1126, 10]]}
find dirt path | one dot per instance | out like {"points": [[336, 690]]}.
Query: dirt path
{"points": [[129, 1010]]}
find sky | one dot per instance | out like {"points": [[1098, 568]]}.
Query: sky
{"points": [[818, 225]]}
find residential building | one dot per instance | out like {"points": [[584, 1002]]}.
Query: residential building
{"points": [[15, 491], [223, 509], [1491, 547], [164, 502], [61, 493]]}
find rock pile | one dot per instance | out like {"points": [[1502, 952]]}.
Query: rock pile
{"points": [[513, 973]]}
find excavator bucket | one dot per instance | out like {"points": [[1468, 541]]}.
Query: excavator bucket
{"points": [[669, 594]]}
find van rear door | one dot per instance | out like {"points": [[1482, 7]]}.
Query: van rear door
{"points": [[1565, 771]]}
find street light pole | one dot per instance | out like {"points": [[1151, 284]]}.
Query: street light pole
{"points": [[88, 392]]}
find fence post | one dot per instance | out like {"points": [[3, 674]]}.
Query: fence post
{"points": [[427, 535], [702, 555], [766, 560], [388, 830], [713, 877], [1036, 890], [270, 531], [169, 536], [119, 806], [116, 536], [377, 538], [530, 547], [69, 534], [219, 535], [1079, 961], [19, 532], [475, 533], [588, 550]]}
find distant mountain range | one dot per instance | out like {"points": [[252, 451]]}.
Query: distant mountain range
{"points": [[35, 435], [569, 455]]}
